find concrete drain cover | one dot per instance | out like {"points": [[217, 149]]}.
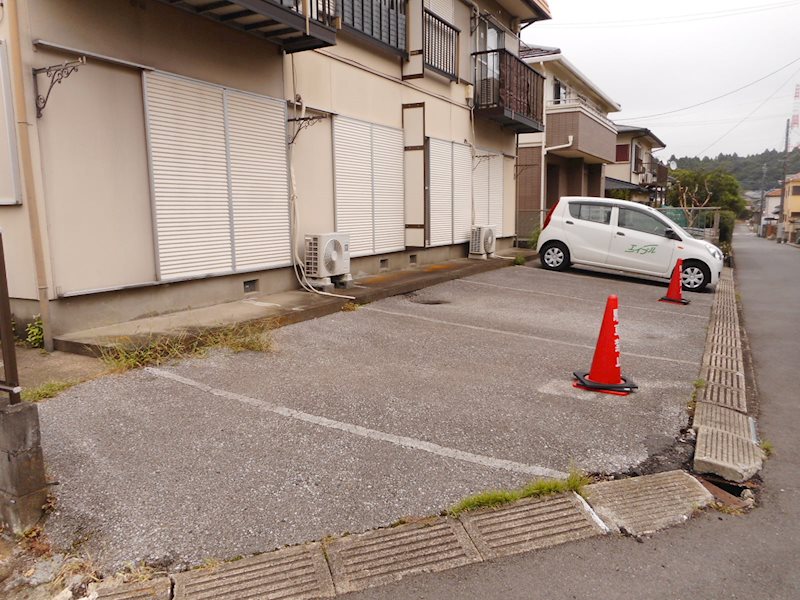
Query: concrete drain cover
{"points": [[724, 419], [733, 398], [730, 456], [529, 525], [642, 505], [385, 555], [155, 589], [296, 573]]}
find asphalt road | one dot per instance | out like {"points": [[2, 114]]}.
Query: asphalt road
{"points": [[400, 408], [712, 556]]}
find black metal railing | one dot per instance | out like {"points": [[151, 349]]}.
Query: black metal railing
{"points": [[382, 20], [504, 81], [440, 45], [323, 11]]}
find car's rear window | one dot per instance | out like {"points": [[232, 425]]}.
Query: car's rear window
{"points": [[596, 213]]}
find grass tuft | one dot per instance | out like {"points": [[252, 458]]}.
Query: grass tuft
{"points": [[519, 260], [47, 390], [350, 306], [575, 482], [254, 336], [767, 448]]}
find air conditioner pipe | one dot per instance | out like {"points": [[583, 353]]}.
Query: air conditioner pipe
{"points": [[545, 150]]}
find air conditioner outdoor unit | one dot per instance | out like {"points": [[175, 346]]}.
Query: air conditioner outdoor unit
{"points": [[482, 241], [327, 260]]}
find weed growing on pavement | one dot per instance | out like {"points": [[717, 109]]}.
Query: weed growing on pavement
{"points": [[519, 260], [767, 448], [726, 509], [47, 390], [128, 354], [350, 306], [575, 482]]}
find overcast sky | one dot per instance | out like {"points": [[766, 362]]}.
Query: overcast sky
{"points": [[652, 57]]}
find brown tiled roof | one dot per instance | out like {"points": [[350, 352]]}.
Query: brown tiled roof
{"points": [[536, 51]]}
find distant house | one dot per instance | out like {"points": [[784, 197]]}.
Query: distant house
{"points": [[769, 212], [791, 209], [636, 174], [578, 142]]}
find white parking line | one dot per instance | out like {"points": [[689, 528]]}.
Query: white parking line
{"points": [[521, 335], [601, 302], [373, 434]]}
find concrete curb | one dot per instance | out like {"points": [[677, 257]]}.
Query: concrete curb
{"points": [[404, 282], [378, 557], [726, 445]]}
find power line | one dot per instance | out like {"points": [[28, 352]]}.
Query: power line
{"points": [[752, 112], [726, 94], [668, 20]]}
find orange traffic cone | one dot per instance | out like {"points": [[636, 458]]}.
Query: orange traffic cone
{"points": [[674, 293], [606, 375]]}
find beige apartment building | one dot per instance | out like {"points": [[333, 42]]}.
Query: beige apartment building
{"points": [[636, 174], [578, 140], [166, 154]]}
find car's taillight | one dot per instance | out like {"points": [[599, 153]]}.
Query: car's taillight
{"points": [[549, 216]]}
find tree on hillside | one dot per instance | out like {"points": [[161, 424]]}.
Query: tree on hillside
{"points": [[747, 169], [692, 189]]}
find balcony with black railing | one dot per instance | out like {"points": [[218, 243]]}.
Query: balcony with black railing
{"points": [[382, 21], [294, 25], [440, 45], [508, 91]]}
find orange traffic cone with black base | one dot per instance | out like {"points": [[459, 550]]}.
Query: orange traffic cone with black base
{"points": [[606, 374], [674, 292]]}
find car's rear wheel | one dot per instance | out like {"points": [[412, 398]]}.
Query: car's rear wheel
{"points": [[554, 256], [695, 276]]}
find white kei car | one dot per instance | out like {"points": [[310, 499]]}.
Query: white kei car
{"points": [[624, 236]]}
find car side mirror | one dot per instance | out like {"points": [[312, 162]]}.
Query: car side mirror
{"points": [[670, 234]]}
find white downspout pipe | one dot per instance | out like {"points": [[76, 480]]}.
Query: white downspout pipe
{"points": [[545, 150], [26, 163]]}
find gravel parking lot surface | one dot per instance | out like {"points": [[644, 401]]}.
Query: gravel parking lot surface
{"points": [[400, 408]]}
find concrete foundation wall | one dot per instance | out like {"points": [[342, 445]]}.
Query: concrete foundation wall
{"points": [[23, 489]]}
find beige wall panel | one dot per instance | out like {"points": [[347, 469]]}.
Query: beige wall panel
{"points": [[364, 96], [350, 48], [163, 37], [313, 169], [96, 183], [415, 187], [20, 267], [312, 74], [414, 126], [437, 119], [415, 238]]}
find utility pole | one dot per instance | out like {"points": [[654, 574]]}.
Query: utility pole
{"points": [[781, 225], [759, 233]]}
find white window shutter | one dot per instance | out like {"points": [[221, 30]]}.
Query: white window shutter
{"points": [[440, 192], [480, 189], [462, 192], [443, 9], [388, 189], [496, 192], [353, 166], [186, 132], [259, 184]]}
